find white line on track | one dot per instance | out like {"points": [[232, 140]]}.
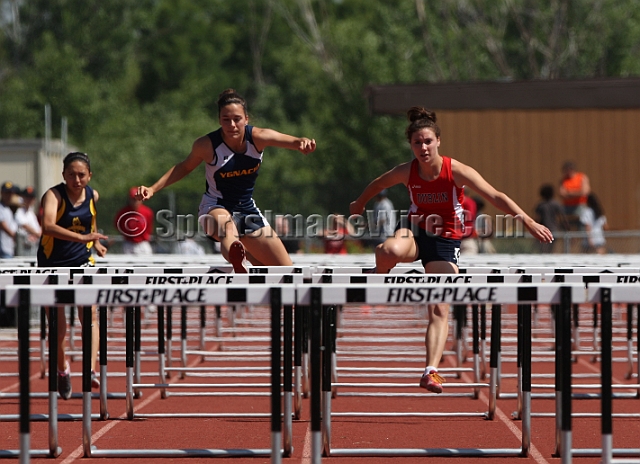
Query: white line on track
{"points": [[533, 451], [79, 451], [504, 418], [16, 385], [306, 450]]}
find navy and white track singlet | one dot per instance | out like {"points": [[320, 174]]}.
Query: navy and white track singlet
{"points": [[231, 176], [54, 252]]}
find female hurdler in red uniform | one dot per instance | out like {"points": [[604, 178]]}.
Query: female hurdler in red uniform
{"points": [[433, 228]]}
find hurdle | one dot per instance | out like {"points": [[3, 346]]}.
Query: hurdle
{"points": [[609, 278], [318, 296], [479, 341], [275, 297], [163, 277], [606, 295]]}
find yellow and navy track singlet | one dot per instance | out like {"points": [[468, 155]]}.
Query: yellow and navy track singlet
{"points": [[231, 176], [54, 252]]}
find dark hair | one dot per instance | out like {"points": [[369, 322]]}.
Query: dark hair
{"points": [[421, 118], [546, 192], [594, 204], [569, 166], [76, 156], [229, 97]]}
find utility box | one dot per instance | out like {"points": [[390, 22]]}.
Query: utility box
{"points": [[31, 162]]}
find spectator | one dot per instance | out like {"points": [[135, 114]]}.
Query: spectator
{"points": [[189, 246], [469, 242], [289, 240], [135, 223], [594, 222], [384, 217], [8, 225], [484, 242], [29, 230], [574, 188], [335, 234], [551, 214]]}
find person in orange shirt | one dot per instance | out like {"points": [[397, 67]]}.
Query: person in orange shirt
{"points": [[574, 189]]}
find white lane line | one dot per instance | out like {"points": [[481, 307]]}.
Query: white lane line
{"points": [[306, 450], [504, 418], [79, 451], [16, 385]]}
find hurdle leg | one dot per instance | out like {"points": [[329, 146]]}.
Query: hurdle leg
{"points": [[104, 413], [518, 412], [594, 358], [23, 369], [231, 315], [203, 328], [287, 376], [483, 341], [169, 336], [629, 373], [297, 361], [137, 349], [606, 376], [219, 325], [183, 341], [458, 315], [129, 361], [306, 342], [638, 347], [526, 380], [333, 316], [276, 418], [54, 449], [498, 309], [494, 358], [328, 341], [317, 425], [576, 331], [566, 360], [86, 379], [72, 331], [161, 357], [476, 349], [558, 378], [43, 343]]}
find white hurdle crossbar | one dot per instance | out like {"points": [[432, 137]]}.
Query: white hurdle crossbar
{"points": [[318, 296], [22, 297]]}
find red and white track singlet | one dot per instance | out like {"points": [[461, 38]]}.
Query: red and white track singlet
{"points": [[436, 206]]}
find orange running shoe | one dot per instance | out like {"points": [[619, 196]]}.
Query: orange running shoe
{"points": [[432, 382], [237, 256]]}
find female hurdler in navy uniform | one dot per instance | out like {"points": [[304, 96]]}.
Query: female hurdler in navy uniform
{"points": [[434, 226], [232, 156], [68, 235]]}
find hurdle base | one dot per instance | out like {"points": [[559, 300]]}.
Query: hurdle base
{"points": [[177, 453], [32, 453], [618, 452], [423, 452]]}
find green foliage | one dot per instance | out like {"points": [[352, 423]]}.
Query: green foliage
{"points": [[138, 81]]}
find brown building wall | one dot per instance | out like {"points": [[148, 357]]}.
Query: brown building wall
{"points": [[519, 150]]}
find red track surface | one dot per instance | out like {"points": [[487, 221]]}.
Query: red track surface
{"points": [[364, 432]]}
